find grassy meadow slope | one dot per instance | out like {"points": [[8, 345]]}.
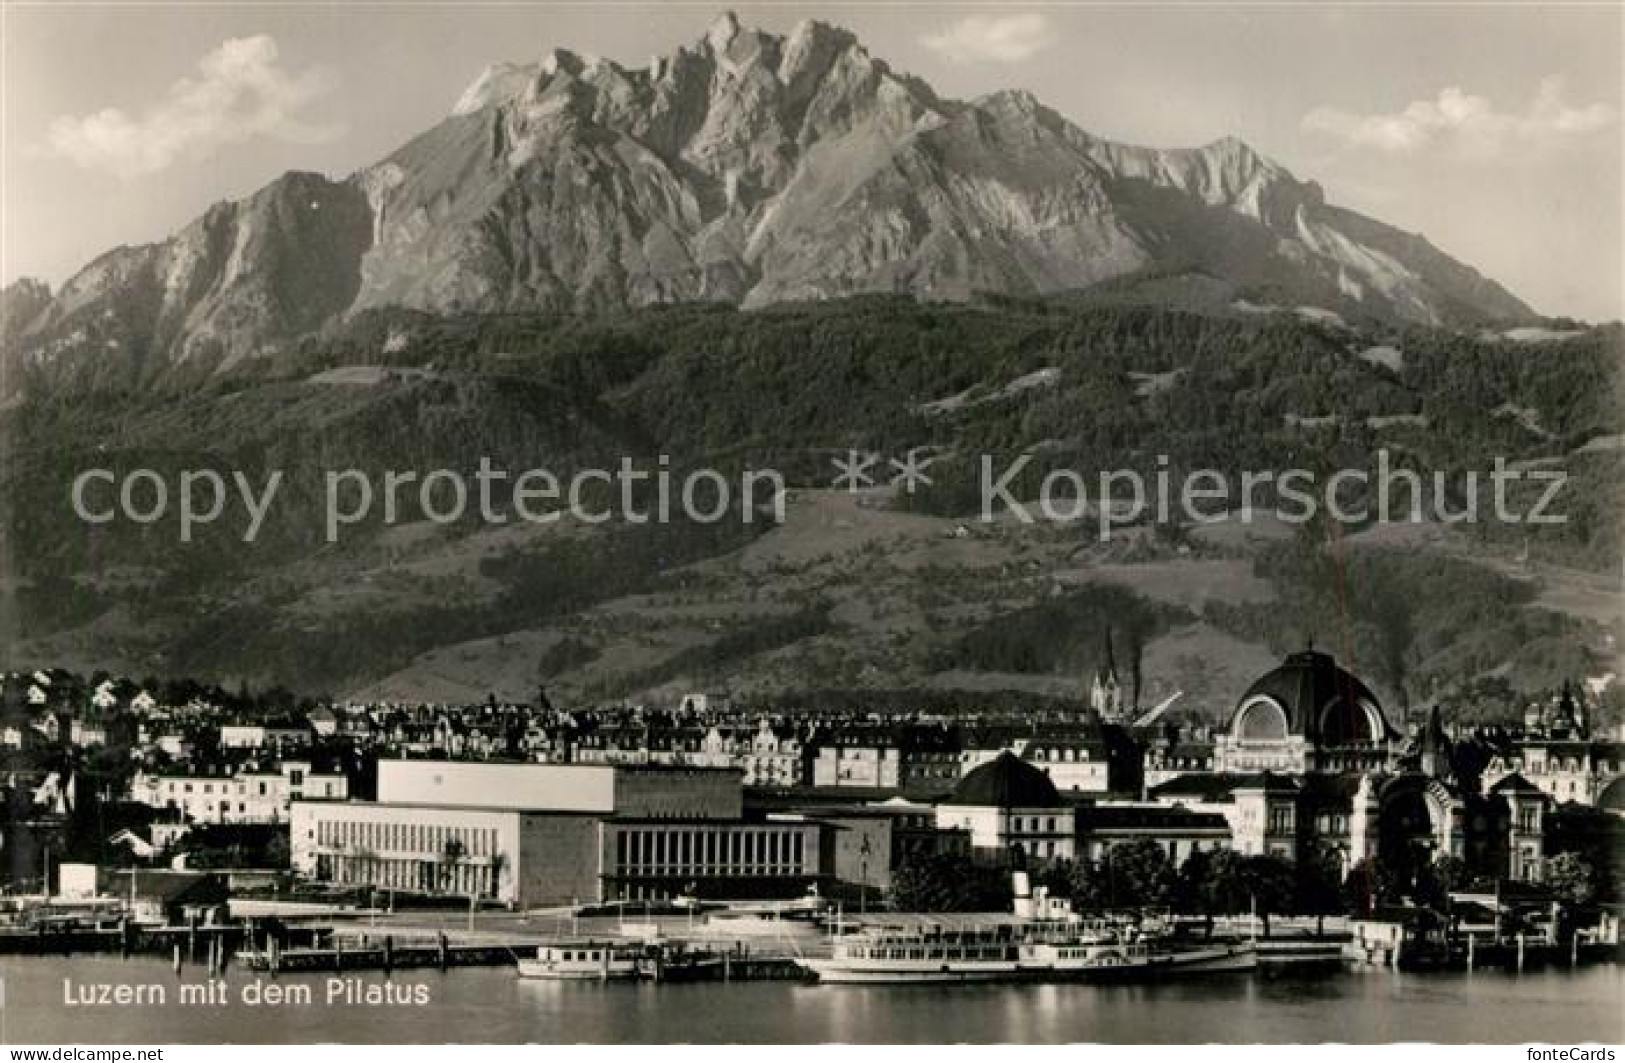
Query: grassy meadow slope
{"points": [[876, 589]]}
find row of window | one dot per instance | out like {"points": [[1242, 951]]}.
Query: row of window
{"points": [[1554, 765], [885, 952], [1061, 755], [425, 876], [260, 786], [406, 837], [701, 851], [200, 809], [1031, 825], [171, 787]]}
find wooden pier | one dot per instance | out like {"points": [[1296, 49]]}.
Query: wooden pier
{"points": [[352, 950]]}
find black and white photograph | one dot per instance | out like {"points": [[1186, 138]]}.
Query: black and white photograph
{"points": [[871, 523]]}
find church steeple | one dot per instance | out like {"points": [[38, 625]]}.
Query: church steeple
{"points": [[1569, 719], [1106, 691]]}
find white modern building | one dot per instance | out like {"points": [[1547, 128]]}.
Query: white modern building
{"points": [[531, 834]]}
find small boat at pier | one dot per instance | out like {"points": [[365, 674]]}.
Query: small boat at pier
{"points": [[582, 961]]}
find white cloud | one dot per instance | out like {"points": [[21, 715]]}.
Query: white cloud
{"points": [[1470, 125], [242, 92], [1000, 39]]}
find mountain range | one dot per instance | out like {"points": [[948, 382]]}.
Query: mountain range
{"points": [[745, 168]]}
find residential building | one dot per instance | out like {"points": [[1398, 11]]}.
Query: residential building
{"points": [[242, 735], [245, 793]]}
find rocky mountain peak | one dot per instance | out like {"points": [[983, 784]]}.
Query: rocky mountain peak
{"points": [[1235, 164], [745, 167], [563, 63], [723, 31], [1232, 150], [497, 83], [1018, 101]]}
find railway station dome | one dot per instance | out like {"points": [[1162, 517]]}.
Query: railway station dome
{"points": [[1309, 695]]}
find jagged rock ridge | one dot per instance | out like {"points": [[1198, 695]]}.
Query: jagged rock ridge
{"points": [[747, 168]]}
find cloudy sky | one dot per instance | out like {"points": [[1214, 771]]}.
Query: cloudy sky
{"points": [[1494, 130]]}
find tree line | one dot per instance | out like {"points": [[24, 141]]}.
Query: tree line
{"points": [[1213, 883]]}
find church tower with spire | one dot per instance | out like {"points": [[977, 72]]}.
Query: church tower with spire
{"points": [[1568, 716], [1106, 691]]}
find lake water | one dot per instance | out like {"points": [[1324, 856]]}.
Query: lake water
{"points": [[494, 1005]]}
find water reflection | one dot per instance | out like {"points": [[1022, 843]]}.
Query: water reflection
{"points": [[493, 1005]]}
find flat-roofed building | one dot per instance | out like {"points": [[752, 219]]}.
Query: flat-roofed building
{"points": [[533, 834], [524, 859]]}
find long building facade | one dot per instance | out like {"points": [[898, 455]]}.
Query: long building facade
{"points": [[525, 835]]}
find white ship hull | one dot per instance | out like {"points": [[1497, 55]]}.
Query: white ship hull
{"points": [[1038, 968], [553, 972], [843, 972], [580, 962]]}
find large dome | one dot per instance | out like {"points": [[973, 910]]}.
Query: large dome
{"points": [[1006, 781], [1309, 695]]}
